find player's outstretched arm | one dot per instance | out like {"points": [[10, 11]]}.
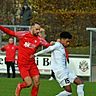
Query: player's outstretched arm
{"points": [[42, 52], [8, 31], [49, 49]]}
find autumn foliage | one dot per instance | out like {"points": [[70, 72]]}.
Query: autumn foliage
{"points": [[59, 15]]}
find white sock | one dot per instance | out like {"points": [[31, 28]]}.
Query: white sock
{"points": [[80, 90], [64, 93]]}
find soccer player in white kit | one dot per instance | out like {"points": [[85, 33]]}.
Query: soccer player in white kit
{"points": [[63, 75]]}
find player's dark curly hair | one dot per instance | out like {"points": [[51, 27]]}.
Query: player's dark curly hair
{"points": [[65, 35]]}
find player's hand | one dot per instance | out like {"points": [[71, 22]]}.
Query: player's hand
{"points": [[58, 40], [32, 56], [52, 42]]}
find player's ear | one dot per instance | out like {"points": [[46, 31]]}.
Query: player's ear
{"points": [[31, 29]]}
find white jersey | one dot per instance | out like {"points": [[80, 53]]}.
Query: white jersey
{"points": [[58, 56], [59, 64]]}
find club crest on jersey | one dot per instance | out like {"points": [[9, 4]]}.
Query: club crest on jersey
{"points": [[35, 41], [29, 45], [12, 47]]}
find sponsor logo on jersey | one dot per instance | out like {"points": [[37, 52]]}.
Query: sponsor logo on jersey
{"points": [[29, 45]]}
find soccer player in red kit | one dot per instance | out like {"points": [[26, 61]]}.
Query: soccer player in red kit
{"points": [[28, 44]]}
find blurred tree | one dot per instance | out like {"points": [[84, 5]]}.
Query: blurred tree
{"points": [[58, 15]]}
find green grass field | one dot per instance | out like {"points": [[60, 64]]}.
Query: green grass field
{"points": [[47, 88]]}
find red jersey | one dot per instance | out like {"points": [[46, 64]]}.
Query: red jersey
{"points": [[28, 44], [10, 51]]}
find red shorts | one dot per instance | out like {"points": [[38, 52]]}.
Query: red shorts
{"points": [[29, 69]]}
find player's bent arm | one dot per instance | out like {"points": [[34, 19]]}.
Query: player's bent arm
{"points": [[44, 42], [8, 31], [2, 49]]}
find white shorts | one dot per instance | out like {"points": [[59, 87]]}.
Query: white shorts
{"points": [[65, 77], [72, 76]]}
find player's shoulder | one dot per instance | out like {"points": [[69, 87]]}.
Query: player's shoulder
{"points": [[27, 33], [40, 38], [22, 33], [57, 44], [6, 46]]}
